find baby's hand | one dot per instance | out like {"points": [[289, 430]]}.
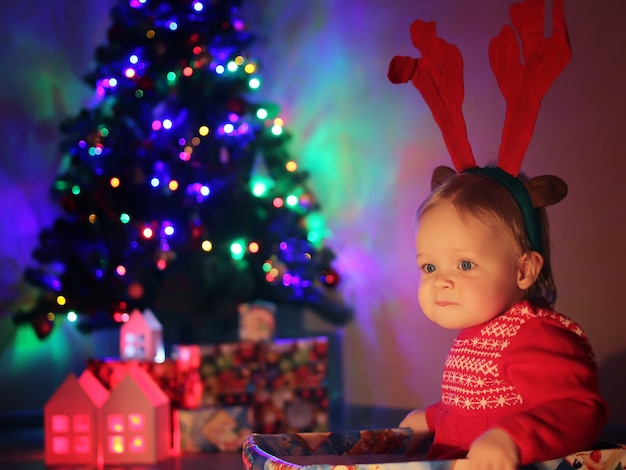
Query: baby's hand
{"points": [[493, 450], [416, 420]]}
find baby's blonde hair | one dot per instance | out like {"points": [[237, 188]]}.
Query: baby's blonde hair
{"points": [[491, 202]]}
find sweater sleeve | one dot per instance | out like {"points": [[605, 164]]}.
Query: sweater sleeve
{"points": [[551, 368], [431, 416]]}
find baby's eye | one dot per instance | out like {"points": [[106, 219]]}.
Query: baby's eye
{"points": [[466, 265], [429, 268]]}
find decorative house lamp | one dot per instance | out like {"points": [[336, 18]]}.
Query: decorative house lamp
{"points": [[136, 425], [141, 337], [71, 421]]}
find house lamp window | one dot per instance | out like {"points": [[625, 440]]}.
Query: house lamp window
{"points": [[60, 424], [79, 434], [60, 445], [81, 423], [82, 444], [134, 345], [136, 423], [116, 444], [115, 423], [137, 445]]}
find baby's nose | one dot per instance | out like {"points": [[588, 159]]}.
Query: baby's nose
{"points": [[442, 281]]}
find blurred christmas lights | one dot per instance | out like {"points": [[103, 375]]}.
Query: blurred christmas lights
{"points": [[156, 168]]}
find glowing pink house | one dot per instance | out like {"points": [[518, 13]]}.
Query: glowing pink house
{"points": [[141, 337], [71, 421], [136, 425]]}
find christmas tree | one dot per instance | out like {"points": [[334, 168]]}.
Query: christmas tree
{"points": [[177, 189]]}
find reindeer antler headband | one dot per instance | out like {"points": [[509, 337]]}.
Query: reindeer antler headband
{"points": [[438, 75]]}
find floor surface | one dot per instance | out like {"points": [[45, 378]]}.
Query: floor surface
{"points": [[21, 445], [33, 460], [22, 449]]}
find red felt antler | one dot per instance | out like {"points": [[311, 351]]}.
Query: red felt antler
{"points": [[524, 84], [438, 76]]}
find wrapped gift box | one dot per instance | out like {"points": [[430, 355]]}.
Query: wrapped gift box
{"points": [[257, 321], [252, 386], [214, 429], [297, 410], [173, 381], [282, 385], [295, 398], [297, 363], [307, 411], [229, 373]]}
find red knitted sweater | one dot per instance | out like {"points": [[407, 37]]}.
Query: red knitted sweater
{"points": [[531, 372]]}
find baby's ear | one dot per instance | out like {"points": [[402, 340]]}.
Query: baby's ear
{"points": [[440, 174], [529, 268], [546, 190]]}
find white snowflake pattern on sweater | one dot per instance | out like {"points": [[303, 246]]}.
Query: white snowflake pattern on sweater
{"points": [[471, 377]]}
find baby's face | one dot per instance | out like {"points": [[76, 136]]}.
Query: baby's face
{"points": [[469, 271]]}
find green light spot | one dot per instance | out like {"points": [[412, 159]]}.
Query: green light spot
{"points": [[317, 230], [237, 250], [75, 190], [314, 237], [124, 218], [60, 185], [259, 188]]}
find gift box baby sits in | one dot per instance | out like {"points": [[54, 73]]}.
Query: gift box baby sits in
{"points": [[520, 383]]}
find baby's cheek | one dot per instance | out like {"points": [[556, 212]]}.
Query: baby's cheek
{"points": [[422, 294]]}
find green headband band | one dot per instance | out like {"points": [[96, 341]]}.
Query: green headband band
{"points": [[521, 196]]}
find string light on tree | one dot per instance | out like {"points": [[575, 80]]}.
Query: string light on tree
{"points": [[178, 191]]}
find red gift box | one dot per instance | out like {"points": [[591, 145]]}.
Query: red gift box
{"points": [[167, 375]]}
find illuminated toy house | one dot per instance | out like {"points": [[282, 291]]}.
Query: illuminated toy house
{"points": [[136, 423], [71, 421], [141, 337]]}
